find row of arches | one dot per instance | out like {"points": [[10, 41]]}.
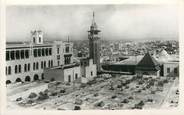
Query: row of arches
{"points": [[27, 79]]}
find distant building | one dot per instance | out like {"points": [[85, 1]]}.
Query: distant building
{"points": [[94, 43], [27, 61], [160, 64]]}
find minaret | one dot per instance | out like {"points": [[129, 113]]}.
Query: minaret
{"points": [[94, 43]]}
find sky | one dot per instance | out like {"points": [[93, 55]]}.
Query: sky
{"points": [[117, 22]]}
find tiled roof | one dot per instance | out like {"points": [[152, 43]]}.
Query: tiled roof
{"points": [[148, 63]]}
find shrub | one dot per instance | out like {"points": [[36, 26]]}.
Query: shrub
{"points": [[150, 100], [32, 95], [130, 97], [19, 99], [141, 103], [77, 108], [96, 94], [125, 101], [114, 96], [53, 93], [43, 96], [100, 104], [62, 91]]}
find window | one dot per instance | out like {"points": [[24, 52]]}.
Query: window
{"points": [[67, 59], [58, 50], [27, 53], [50, 51], [41, 64], [12, 55], [43, 52], [175, 70], [9, 70], [44, 64], [91, 73], [17, 54], [25, 67], [34, 40], [58, 63], [39, 52], [19, 68], [34, 66], [28, 68], [39, 39], [37, 65], [58, 57], [46, 51], [7, 55], [168, 70], [76, 76], [35, 53], [67, 49], [16, 69], [22, 54], [69, 78], [51, 63]]}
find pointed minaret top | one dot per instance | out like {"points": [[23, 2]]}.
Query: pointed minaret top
{"points": [[93, 15]]}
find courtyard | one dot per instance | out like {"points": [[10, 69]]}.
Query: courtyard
{"points": [[105, 92]]}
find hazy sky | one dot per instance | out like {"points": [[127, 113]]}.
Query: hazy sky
{"points": [[115, 21]]}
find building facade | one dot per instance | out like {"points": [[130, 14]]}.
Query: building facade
{"points": [[82, 72], [27, 61]]}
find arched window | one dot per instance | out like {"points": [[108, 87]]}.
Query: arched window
{"points": [[34, 66], [16, 68], [51, 63], [7, 55], [34, 40], [37, 65], [39, 52], [35, 52], [22, 54], [39, 39], [46, 51], [12, 55], [19, 68], [17, 54], [44, 64], [27, 53], [43, 52], [25, 67], [41, 64], [28, 68], [50, 51], [9, 70]]}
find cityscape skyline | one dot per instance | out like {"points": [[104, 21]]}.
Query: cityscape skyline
{"points": [[135, 22]]}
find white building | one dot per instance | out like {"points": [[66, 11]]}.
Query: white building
{"points": [[27, 61], [76, 72]]}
